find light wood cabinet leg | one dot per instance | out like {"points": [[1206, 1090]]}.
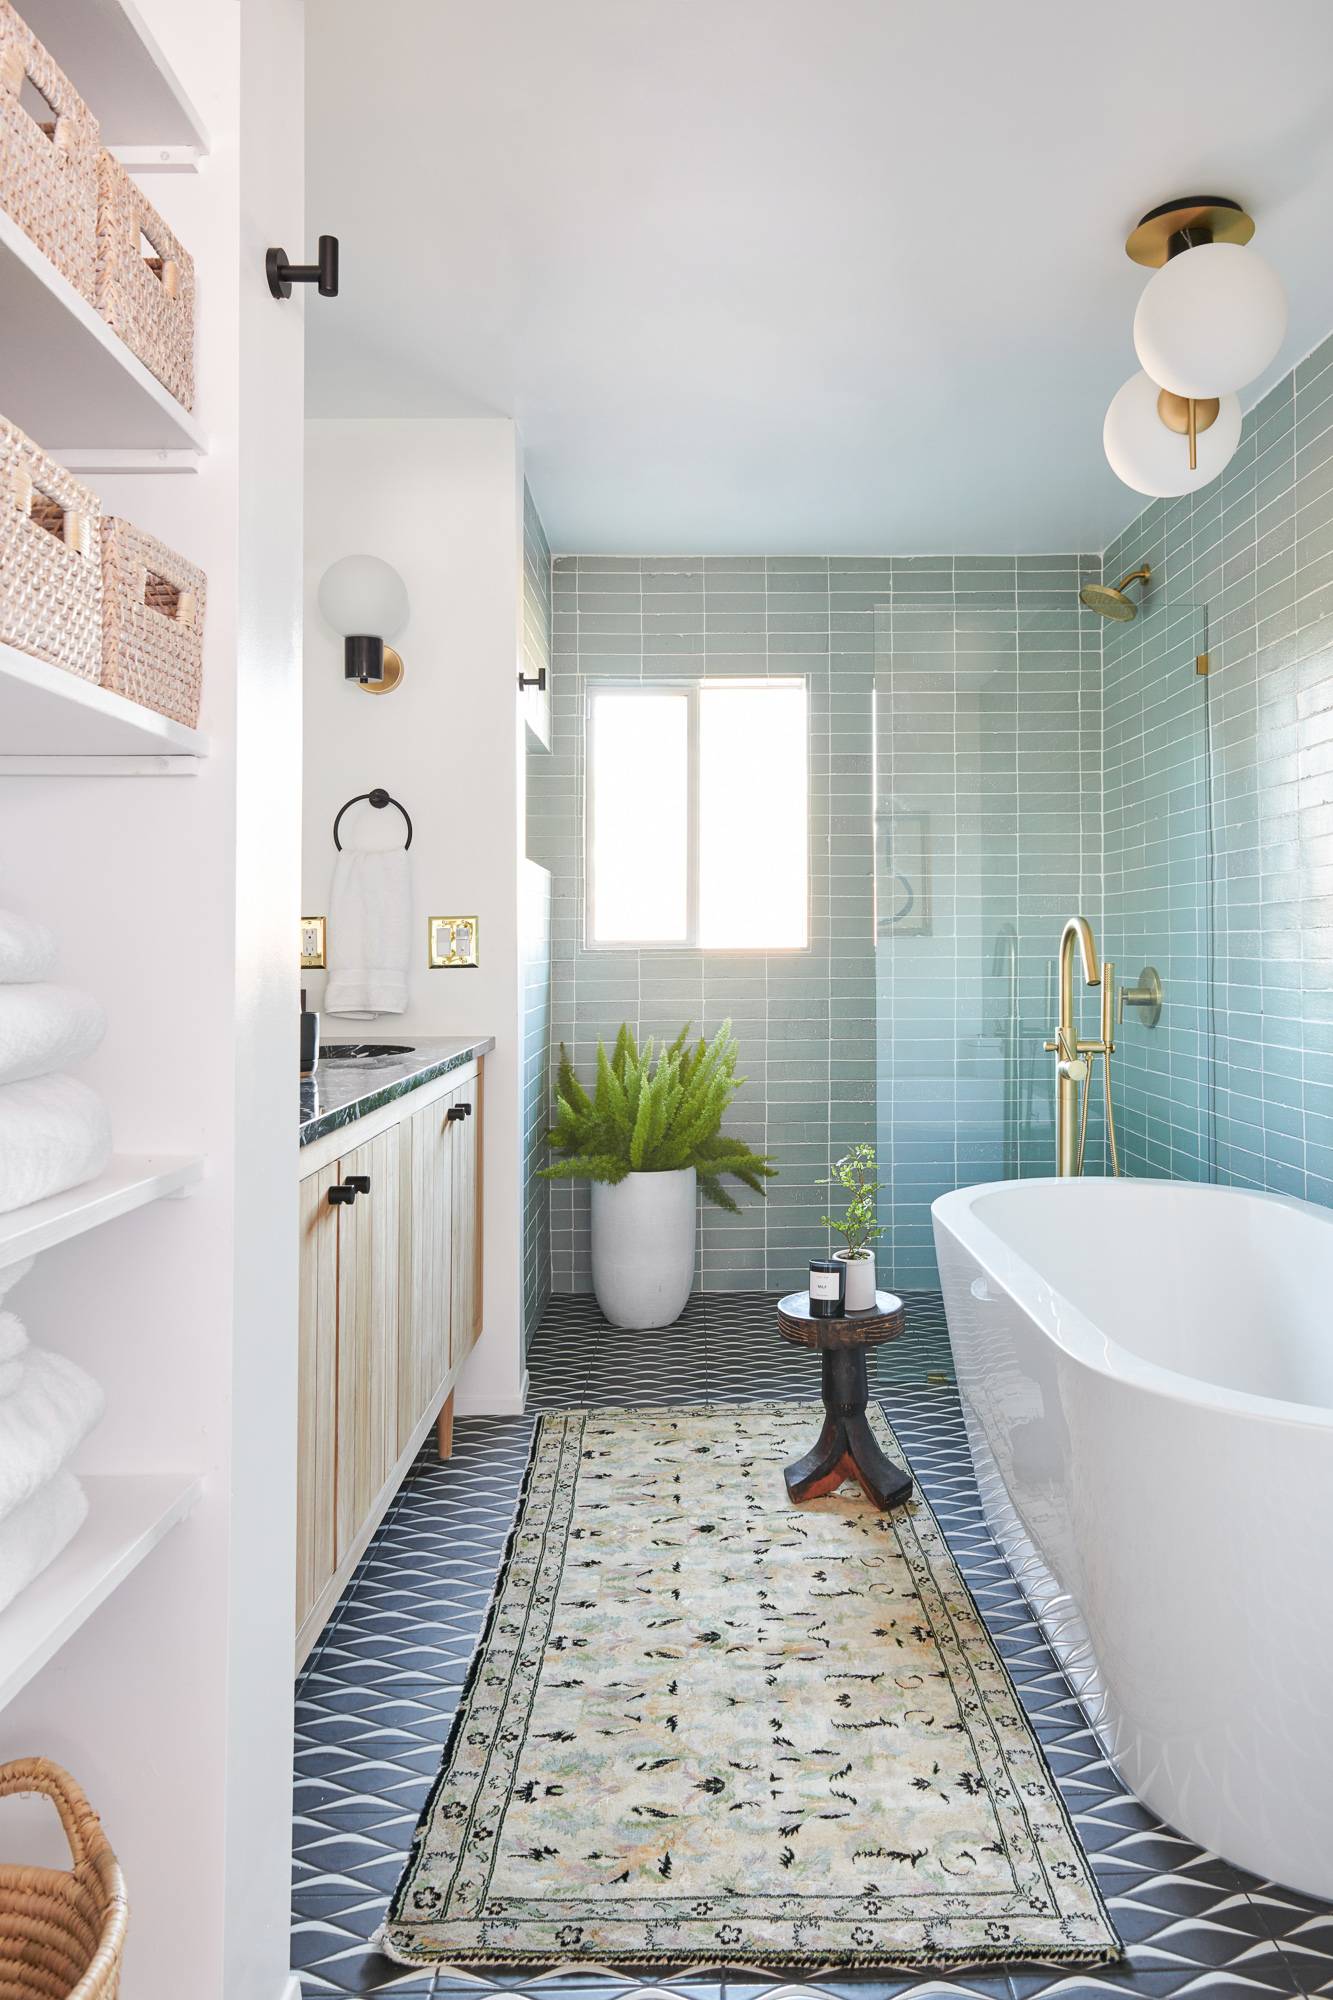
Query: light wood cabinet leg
{"points": [[444, 1427]]}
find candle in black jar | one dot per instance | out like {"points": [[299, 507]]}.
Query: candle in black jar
{"points": [[828, 1288]]}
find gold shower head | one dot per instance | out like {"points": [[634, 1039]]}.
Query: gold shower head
{"points": [[1110, 601]]}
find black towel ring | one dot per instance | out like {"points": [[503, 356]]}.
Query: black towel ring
{"points": [[379, 798]]}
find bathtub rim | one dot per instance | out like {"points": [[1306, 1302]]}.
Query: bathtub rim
{"points": [[1074, 1334]]}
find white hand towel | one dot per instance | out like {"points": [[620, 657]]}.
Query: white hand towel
{"points": [[13, 1348], [27, 949], [53, 1408], [54, 1134], [44, 1028], [370, 933], [36, 1532]]}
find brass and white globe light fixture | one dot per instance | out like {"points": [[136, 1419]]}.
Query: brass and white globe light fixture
{"points": [[1210, 320]]}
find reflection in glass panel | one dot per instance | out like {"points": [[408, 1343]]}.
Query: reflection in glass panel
{"points": [[638, 779], [988, 835], [752, 815]]}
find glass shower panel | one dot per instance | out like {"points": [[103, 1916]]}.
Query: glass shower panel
{"points": [[988, 823], [1161, 887]]}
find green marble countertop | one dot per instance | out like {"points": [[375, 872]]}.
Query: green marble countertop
{"points": [[340, 1093]]}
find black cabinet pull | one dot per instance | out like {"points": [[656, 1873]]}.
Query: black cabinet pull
{"points": [[466, 1110], [342, 1191], [454, 1113], [359, 1183]]}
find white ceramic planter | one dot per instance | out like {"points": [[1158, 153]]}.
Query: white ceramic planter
{"points": [[860, 1281], [643, 1231]]}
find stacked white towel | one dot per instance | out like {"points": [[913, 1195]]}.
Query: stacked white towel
{"points": [[27, 949], [54, 1134], [47, 1407], [54, 1130], [44, 1028], [35, 1533]]}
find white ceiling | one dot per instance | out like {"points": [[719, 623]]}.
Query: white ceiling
{"points": [[793, 274]]}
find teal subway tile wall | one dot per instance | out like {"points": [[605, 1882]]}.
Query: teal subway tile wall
{"points": [[1225, 842], [987, 758], [953, 712], [535, 949]]}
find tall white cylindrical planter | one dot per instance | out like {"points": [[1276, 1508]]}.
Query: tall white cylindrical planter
{"points": [[643, 1231], [860, 1281]]}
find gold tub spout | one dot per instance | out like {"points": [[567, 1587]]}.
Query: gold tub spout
{"points": [[1072, 1064]]}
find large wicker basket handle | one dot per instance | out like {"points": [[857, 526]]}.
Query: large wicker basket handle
{"points": [[83, 1829]]}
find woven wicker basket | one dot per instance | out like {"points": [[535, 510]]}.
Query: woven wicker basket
{"points": [[48, 154], [62, 1931], [50, 559], [148, 299], [153, 622]]}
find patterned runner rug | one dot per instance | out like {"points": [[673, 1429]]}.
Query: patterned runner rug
{"points": [[706, 1728]]}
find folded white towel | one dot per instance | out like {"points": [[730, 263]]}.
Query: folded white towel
{"points": [[54, 1406], [370, 933], [43, 1028], [54, 1134], [36, 1532], [13, 1349], [27, 949], [13, 1337]]}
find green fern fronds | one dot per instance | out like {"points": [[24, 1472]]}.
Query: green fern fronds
{"points": [[654, 1111]]}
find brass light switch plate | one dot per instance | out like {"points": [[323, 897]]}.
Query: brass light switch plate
{"points": [[451, 942], [313, 956]]}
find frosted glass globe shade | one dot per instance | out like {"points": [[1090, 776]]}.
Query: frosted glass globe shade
{"points": [[1154, 460], [1210, 320], [364, 597]]}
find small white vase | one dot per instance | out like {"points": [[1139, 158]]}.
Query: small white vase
{"points": [[860, 1280], [643, 1231]]}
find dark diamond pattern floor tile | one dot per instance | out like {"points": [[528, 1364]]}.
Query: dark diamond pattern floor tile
{"points": [[377, 1696]]}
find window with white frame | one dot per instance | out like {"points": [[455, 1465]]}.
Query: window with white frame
{"points": [[697, 821]]}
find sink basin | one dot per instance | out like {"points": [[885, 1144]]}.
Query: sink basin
{"points": [[362, 1052]]}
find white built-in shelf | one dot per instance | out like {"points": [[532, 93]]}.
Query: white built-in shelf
{"points": [[65, 377], [128, 1515], [50, 720], [131, 1181], [115, 63]]}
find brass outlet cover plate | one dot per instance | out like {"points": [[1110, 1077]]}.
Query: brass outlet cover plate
{"points": [[451, 944], [314, 957]]}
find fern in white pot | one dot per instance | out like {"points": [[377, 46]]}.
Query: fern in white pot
{"points": [[650, 1138]]}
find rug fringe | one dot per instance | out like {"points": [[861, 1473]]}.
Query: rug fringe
{"points": [[815, 1967]]}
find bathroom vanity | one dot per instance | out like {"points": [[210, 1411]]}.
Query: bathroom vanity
{"points": [[390, 1287]]}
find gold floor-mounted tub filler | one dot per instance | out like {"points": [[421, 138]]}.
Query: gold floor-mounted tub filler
{"points": [[1074, 1058]]}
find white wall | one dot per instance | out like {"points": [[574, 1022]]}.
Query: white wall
{"points": [[442, 501]]}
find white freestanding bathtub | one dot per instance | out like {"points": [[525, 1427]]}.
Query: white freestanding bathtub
{"points": [[1146, 1369]]}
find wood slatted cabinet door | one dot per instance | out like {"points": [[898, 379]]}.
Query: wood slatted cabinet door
{"points": [[368, 1253], [317, 1391], [425, 1227], [465, 1291]]}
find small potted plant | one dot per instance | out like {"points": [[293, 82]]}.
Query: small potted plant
{"points": [[855, 1172], [650, 1140]]}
